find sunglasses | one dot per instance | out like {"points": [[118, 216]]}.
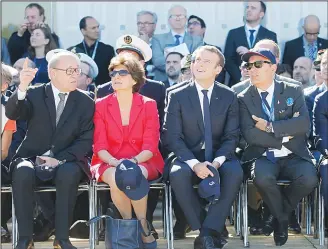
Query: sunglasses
{"points": [[119, 72], [257, 64]]}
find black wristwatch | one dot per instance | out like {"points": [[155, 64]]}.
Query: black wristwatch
{"points": [[268, 127], [135, 160]]}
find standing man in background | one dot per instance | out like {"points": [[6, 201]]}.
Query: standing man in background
{"points": [[100, 52], [241, 39]]}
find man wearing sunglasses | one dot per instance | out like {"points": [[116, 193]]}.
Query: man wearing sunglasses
{"points": [[274, 121], [307, 44]]}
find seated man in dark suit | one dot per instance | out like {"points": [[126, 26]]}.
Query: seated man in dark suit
{"points": [[320, 124], [241, 39], [59, 135], [201, 128], [307, 44], [274, 122]]}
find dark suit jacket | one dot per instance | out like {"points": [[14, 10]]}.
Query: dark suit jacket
{"points": [[171, 88], [152, 89], [294, 49], [284, 125], [237, 37], [103, 56], [183, 129], [71, 140], [310, 95], [320, 122]]}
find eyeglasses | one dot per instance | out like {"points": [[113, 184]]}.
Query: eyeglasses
{"points": [[312, 34], [119, 72], [178, 16], [195, 23], [70, 71], [257, 64], [146, 24]]}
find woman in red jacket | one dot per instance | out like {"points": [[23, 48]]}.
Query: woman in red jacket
{"points": [[127, 127]]}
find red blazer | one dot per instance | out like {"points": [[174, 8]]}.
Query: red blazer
{"points": [[144, 129]]}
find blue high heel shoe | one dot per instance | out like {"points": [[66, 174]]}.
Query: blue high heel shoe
{"points": [[151, 245]]}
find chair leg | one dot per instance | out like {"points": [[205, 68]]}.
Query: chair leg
{"points": [[321, 219], [96, 214], [245, 215], [14, 223], [92, 244], [316, 214], [167, 218], [308, 214], [171, 219]]}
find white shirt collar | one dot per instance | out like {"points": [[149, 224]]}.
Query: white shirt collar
{"points": [[270, 90], [182, 35], [255, 28], [171, 82], [200, 88], [56, 91]]}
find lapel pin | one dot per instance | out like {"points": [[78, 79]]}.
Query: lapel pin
{"points": [[290, 101], [278, 102]]}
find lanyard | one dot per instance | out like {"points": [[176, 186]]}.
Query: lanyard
{"points": [[94, 51], [269, 113]]}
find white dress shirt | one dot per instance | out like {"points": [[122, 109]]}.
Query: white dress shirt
{"points": [[248, 33], [21, 95], [283, 151], [220, 159], [181, 36]]}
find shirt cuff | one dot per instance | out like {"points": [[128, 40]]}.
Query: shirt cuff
{"points": [[220, 160], [192, 163], [285, 139], [21, 95]]}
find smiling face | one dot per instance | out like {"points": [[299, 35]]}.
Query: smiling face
{"points": [[206, 65]]}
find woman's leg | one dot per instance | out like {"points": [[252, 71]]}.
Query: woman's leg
{"points": [[120, 200], [140, 209]]}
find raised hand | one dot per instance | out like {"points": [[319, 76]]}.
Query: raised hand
{"points": [[26, 76]]}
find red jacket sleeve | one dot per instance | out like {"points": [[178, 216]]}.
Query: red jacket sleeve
{"points": [[151, 131], [100, 137]]}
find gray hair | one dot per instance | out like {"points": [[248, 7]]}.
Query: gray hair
{"points": [[55, 59], [91, 72], [147, 12], [174, 6]]}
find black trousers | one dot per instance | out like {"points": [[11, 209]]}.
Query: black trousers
{"points": [[183, 178], [282, 201], [24, 180], [5, 197]]}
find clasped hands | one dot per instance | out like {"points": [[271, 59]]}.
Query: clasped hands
{"points": [[115, 162]]}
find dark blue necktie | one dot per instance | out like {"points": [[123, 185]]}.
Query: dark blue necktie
{"points": [[251, 37], [177, 40], [263, 96], [208, 128]]}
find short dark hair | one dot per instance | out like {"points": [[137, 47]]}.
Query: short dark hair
{"points": [[39, 7], [181, 56], [83, 22], [282, 68], [202, 23], [134, 67], [211, 49], [263, 6]]}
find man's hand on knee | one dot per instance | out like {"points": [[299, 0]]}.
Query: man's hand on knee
{"points": [[202, 171]]}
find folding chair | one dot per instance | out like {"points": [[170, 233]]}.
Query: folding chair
{"points": [[82, 187]]}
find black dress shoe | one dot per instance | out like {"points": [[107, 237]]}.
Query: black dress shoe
{"points": [[269, 225], [63, 244], [294, 226], [45, 232], [205, 242], [25, 244], [180, 231], [219, 242], [281, 233]]}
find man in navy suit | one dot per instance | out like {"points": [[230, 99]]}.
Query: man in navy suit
{"points": [[201, 127], [241, 39], [307, 44], [320, 123], [177, 20]]}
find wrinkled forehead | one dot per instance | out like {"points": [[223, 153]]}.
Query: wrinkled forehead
{"points": [[67, 61]]}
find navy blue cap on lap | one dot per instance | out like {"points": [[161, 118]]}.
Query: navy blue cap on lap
{"points": [[130, 180], [209, 188]]}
